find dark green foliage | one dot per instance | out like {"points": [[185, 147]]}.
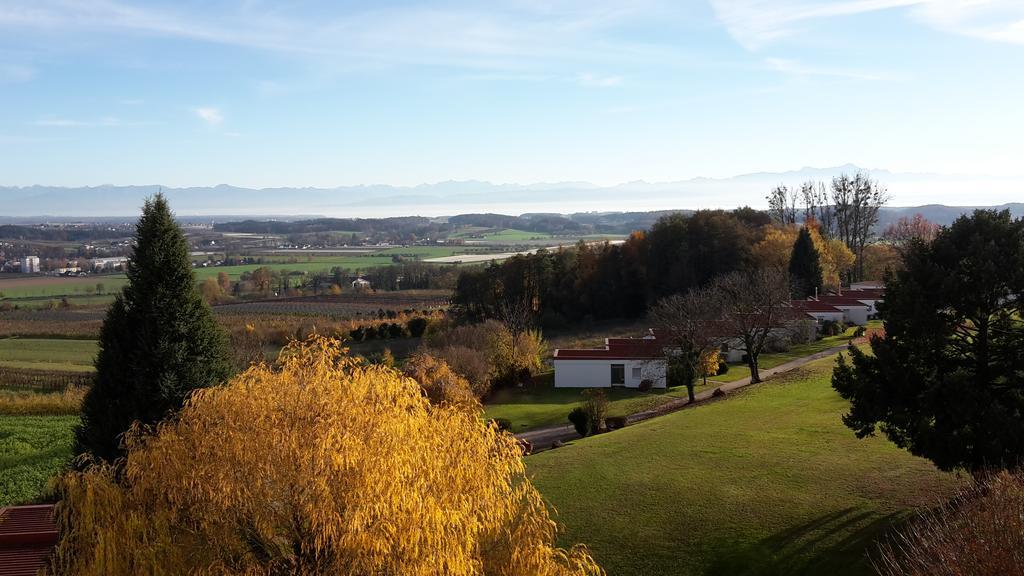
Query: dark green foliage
{"points": [[805, 266], [580, 421], [594, 282], [615, 422], [832, 328], [416, 326], [645, 385], [682, 371], [723, 368], [947, 380], [158, 343]]}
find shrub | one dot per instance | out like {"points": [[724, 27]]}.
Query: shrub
{"points": [[859, 332], [595, 404], [979, 532], [615, 422], [439, 382], [717, 393], [185, 501], [723, 368], [580, 421], [503, 424], [832, 328], [416, 326], [645, 385], [471, 364]]}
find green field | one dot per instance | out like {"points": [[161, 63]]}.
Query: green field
{"points": [[48, 354], [49, 286], [32, 450], [768, 482], [544, 405], [507, 235], [738, 371]]}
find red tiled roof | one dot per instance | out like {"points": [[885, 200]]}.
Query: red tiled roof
{"points": [[842, 301], [867, 293], [814, 306], [27, 534], [617, 348]]}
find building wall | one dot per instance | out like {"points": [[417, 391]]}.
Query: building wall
{"points": [[826, 316], [598, 373], [854, 315]]}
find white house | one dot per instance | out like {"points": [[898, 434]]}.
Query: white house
{"points": [[820, 311], [30, 264], [360, 284], [854, 311], [624, 362], [869, 296]]}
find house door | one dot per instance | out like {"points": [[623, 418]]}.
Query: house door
{"points": [[618, 374]]}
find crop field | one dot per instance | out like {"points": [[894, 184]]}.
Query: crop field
{"points": [[342, 306], [48, 354], [766, 482], [55, 286], [32, 450]]}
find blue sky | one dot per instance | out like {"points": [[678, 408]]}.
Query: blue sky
{"points": [[337, 93]]}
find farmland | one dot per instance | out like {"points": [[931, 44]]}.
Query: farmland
{"points": [[47, 354], [32, 450], [767, 482]]}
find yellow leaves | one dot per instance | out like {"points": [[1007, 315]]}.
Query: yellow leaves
{"points": [[776, 246], [318, 465], [708, 362]]}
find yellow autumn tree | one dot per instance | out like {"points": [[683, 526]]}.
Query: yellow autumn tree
{"points": [[318, 465], [776, 246], [439, 382], [708, 363]]}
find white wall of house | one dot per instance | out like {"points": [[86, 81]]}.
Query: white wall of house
{"points": [[854, 314], [821, 317], [872, 306], [571, 373]]}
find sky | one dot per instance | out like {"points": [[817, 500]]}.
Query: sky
{"points": [[306, 93]]}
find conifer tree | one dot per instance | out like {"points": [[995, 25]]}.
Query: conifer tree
{"points": [[805, 266], [158, 342]]}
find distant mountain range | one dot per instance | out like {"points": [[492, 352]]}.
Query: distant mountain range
{"points": [[223, 202]]}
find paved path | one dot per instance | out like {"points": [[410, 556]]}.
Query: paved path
{"points": [[542, 438]]}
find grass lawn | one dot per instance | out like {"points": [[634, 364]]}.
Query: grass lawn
{"points": [[768, 482], [48, 354], [32, 449], [544, 405]]}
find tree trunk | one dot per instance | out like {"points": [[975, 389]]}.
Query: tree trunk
{"points": [[755, 376], [689, 392]]}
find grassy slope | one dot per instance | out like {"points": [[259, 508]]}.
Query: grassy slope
{"points": [[32, 449], [545, 405], [46, 354], [767, 482]]}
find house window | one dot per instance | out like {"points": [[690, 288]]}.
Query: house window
{"points": [[618, 374], [636, 373]]}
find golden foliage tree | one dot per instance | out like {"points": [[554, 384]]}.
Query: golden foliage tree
{"points": [[708, 364], [776, 245], [319, 465], [440, 383]]}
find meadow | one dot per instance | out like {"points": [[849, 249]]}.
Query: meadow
{"points": [[543, 405], [48, 354], [766, 482]]}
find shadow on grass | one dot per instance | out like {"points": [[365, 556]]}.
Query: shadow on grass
{"points": [[836, 544]]}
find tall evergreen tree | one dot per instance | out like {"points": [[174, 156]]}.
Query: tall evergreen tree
{"points": [[159, 340], [805, 266]]}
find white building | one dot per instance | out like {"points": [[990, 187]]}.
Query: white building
{"points": [[854, 311], [623, 362], [360, 284], [820, 311], [30, 265], [108, 263]]}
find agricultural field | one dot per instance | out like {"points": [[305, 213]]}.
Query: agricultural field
{"points": [[544, 405], [347, 305], [54, 286], [32, 450], [766, 482], [48, 354]]}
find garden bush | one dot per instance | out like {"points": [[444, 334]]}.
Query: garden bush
{"points": [[580, 421], [723, 368], [615, 422], [645, 385]]}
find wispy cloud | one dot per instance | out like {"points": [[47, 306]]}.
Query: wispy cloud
{"points": [[462, 35], [16, 73], [107, 121], [795, 68], [210, 115], [757, 23], [597, 80]]}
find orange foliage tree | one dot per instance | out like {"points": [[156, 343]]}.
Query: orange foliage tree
{"points": [[319, 465], [776, 246]]}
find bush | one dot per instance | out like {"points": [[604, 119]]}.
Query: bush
{"points": [[718, 393], [860, 331], [832, 328], [595, 403], [723, 368], [980, 532], [645, 385], [503, 424], [615, 422], [416, 327], [580, 421]]}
